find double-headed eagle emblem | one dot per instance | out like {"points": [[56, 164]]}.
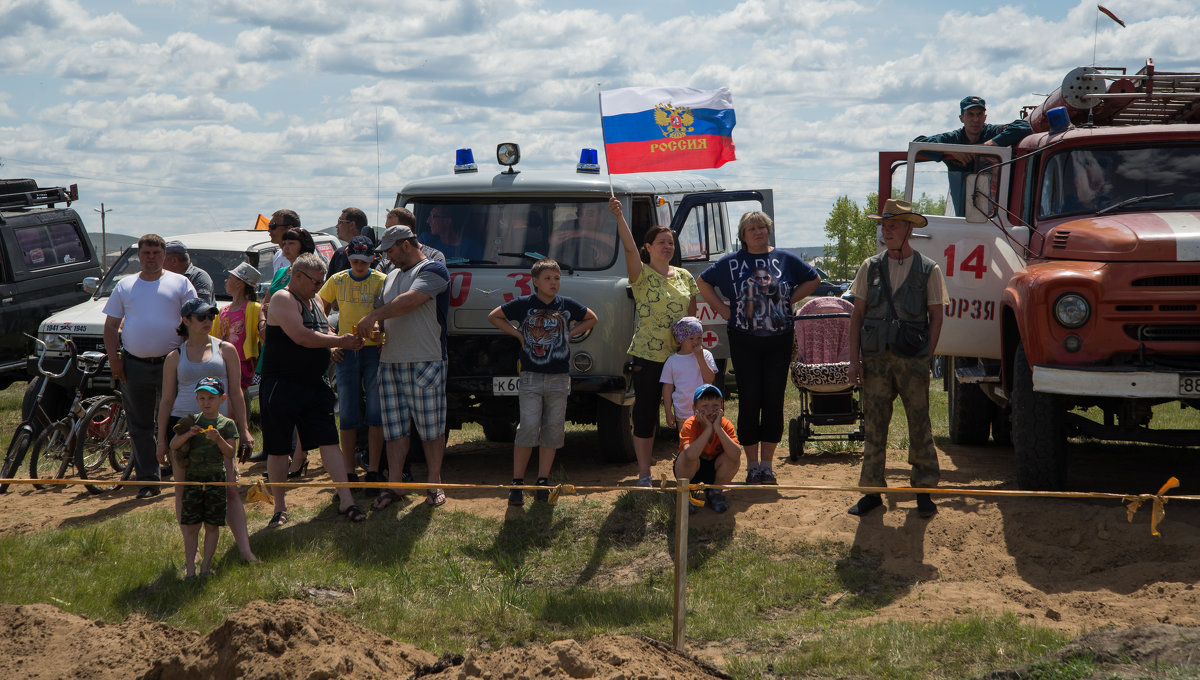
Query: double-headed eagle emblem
{"points": [[674, 121]]}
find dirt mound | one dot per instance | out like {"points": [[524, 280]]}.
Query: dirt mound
{"points": [[290, 639], [603, 657], [1153, 651], [43, 641]]}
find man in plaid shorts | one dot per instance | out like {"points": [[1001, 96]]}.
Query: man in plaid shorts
{"points": [[412, 363]]}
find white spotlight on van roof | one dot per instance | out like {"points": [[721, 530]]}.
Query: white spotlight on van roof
{"points": [[508, 154]]}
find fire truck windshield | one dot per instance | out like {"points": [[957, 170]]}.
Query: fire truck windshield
{"points": [[1110, 179]]}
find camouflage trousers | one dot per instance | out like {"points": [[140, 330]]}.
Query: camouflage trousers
{"points": [[886, 375]]}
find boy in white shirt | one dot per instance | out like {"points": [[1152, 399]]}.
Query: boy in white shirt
{"points": [[685, 370]]}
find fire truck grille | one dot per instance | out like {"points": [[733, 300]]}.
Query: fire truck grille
{"points": [[1163, 333], [1180, 281]]}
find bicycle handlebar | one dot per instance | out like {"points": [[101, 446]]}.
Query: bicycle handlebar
{"points": [[42, 356]]}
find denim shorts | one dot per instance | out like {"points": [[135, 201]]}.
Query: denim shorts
{"points": [[358, 373], [543, 400]]}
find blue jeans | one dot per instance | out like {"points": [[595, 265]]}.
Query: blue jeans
{"points": [[358, 372]]}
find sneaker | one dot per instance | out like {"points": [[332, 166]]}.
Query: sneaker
{"points": [[148, 492], [716, 501], [926, 508], [406, 477], [646, 481], [542, 496], [865, 504], [753, 476], [516, 497], [767, 476]]}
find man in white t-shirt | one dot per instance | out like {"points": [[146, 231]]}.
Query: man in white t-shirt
{"points": [[143, 315], [412, 363]]}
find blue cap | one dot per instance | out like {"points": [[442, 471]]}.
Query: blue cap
{"points": [[707, 390], [210, 384]]}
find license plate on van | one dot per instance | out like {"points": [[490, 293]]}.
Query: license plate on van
{"points": [[505, 386], [1189, 384]]}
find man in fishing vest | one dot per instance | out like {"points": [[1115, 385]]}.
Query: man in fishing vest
{"points": [[897, 318]]}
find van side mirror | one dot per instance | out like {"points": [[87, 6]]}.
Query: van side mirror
{"points": [[90, 284]]}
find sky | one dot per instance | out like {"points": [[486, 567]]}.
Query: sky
{"points": [[191, 116]]}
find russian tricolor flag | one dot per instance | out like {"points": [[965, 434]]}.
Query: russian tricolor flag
{"points": [[650, 129]]}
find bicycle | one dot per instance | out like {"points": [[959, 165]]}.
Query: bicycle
{"points": [[87, 427], [36, 420], [107, 440]]}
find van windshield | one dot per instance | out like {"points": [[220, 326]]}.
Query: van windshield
{"points": [[579, 234], [217, 263], [1087, 181]]}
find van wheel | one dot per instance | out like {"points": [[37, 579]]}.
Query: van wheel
{"points": [[614, 427], [1038, 435], [499, 430], [970, 409]]}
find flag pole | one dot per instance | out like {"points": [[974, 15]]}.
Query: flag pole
{"points": [[604, 142]]}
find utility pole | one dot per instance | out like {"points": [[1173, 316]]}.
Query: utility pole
{"points": [[103, 237]]}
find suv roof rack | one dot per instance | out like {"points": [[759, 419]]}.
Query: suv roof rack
{"points": [[31, 195]]}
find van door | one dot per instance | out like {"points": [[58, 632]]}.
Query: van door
{"points": [[704, 233]]}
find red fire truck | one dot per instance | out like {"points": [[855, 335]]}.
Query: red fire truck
{"points": [[1074, 272]]}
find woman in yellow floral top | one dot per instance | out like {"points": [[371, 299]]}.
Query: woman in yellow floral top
{"points": [[662, 295]]}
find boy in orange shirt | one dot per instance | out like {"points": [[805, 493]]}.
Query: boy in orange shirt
{"points": [[708, 447]]}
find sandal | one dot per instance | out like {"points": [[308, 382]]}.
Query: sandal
{"points": [[385, 498], [435, 497], [278, 520], [353, 513]]}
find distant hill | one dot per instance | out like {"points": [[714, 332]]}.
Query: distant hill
{"points": [[806, 253]]}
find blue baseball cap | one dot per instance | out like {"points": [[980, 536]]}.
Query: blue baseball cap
{"points": [[970, 103], [210, 384], [706, 390]]}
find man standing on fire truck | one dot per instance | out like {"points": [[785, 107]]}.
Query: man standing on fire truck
{"points": [[975, 130], [897, 318]]}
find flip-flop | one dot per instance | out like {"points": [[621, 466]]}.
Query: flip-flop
{"points": [[385, 498], [278, 520], [435, 497], [353, 513]]}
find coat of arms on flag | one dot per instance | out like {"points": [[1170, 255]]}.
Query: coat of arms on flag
{"points": [[648, 129]]}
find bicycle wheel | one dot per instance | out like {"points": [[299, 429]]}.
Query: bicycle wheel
{"points": [[102, 419], [115, 446], [49, 456], [15, 455]]}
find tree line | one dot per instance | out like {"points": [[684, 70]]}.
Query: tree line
{"points": [[851, 233]]}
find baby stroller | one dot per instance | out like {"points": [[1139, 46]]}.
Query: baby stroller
{"points": [[820, 372]]}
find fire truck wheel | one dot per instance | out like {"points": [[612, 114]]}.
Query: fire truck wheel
{"points": [[614, 428], [970, 409], [500, 430], [1038, 435]]}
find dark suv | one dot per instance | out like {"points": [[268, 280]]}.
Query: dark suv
{"points": [[45, 253]]}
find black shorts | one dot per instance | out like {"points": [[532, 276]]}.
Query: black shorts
{"points": [[204, 504], [307, 409], [706, 473]]}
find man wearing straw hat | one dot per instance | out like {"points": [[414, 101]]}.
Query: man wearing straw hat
{"points": [[897, 318]]}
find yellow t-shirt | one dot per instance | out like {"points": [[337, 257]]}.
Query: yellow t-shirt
{"points": [[354, 298], [660, 301]]}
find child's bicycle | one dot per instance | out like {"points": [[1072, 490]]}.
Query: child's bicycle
{"points": [[36, 420]]}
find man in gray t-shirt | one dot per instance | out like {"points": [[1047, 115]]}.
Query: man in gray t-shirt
{"points": [[412, 364]]}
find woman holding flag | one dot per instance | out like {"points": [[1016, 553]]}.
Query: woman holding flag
{"points": [[662, 295]]}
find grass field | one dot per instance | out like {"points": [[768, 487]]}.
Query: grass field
{"points": [[448, 581]]}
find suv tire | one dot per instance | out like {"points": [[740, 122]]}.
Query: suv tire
{"points": [[1038, 434]]}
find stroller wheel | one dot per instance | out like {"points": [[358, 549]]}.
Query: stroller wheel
{"points": [[796, 438]]}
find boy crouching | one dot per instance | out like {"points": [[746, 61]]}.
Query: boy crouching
{"points": [[203, 459], [708, 447]]}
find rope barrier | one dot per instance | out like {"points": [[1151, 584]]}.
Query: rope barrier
{"points": [[259, 491]]}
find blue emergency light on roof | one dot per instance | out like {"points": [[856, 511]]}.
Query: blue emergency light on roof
{"points": [[588, 162], [464, 161], [1059, 120]]}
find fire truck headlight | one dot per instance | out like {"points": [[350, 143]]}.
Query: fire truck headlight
{"points": [[1072, 310]]}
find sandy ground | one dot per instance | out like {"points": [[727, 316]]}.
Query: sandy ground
{"points": [[1074, 565]]}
